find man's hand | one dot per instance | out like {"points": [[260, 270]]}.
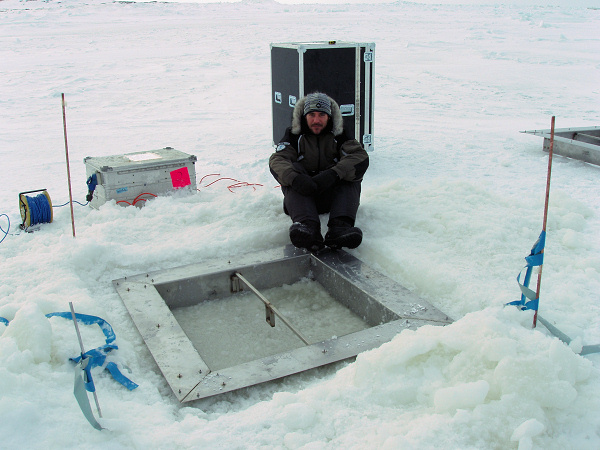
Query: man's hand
{"points": [[325, 179], [304, 185]]}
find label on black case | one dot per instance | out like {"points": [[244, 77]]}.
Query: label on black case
{"points": [[347, 110]]}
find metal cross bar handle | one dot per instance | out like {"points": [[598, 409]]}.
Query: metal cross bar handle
{"points": [[271, 309]]}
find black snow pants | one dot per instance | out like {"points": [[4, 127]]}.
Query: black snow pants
{"points": [[341, 201]]}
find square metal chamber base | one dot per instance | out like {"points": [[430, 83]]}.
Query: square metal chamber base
{"points": [[577, 143], [218, 326]]}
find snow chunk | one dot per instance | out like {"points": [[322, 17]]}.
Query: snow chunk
{"points": [[299, 416], [462, 396], [524, 432], [32, 332], [576, 345]]}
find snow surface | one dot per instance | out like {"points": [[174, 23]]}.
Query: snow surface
{"points": [[452, 203]]}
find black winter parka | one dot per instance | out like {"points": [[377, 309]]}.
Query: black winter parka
{"points": [[330, 149]]}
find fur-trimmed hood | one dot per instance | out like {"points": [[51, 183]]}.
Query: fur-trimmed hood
{"points": [[336, 117]]}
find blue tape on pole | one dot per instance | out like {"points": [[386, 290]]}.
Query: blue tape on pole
{"points": [[540, 244], [89, 320], [534, 259], [98, 355], [118, 376], [533, 305], [525, 291]]}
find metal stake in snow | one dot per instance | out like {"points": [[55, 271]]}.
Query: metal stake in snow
{"points": [[68, 168], [539, 281], [81, 388]]}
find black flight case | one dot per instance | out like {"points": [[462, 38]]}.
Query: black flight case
{"points": [[342, 70]]}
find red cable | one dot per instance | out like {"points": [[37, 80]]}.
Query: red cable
{"points": [[243, 184], [237, 183], [209, 175], [224, 178], [137, 199], [144, 193]]}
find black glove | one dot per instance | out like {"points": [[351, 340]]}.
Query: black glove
{"points": [[325, 179], [304, 185]]}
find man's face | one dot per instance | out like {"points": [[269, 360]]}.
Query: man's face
{"points": [[317, 121]]}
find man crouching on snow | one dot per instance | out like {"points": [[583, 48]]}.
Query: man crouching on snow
{"points": [[320, 171]]}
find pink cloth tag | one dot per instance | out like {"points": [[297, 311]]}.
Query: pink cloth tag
{"points": [[180, 178]]}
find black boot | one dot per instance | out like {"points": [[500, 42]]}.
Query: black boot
{"points": [[306, 235], [343, 233]]}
